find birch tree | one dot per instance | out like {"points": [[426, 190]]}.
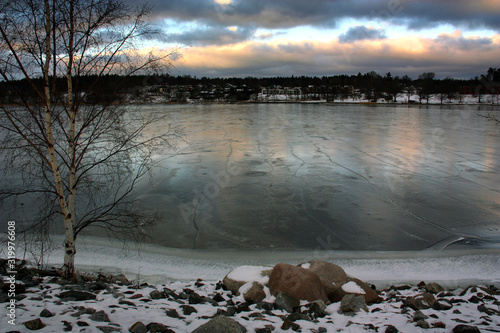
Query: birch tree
{"points": [[79, 160]]}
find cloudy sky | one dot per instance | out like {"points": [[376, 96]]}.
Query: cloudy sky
{"points": [[223, 38]]}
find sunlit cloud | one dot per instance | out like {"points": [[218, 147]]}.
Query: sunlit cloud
{"points": [[409, 55]]}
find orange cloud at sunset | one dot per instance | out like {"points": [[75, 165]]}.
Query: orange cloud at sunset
{"points": [[257, 56]]}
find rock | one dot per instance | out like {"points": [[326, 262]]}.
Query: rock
{"points": [[76, 295], [332, 276], [297, 282], [100, 316], [287, 324], [67, 326], [353, 303], [475, 299], [285, 302], [256, 315], [219, 298], [418, 315], [221, 324], [209, 300], [242, 307], [441, 305], [401, 287], [317, 309], [244, 274], [158, 328], [34, 325], [124, 302], [255, 293], [328, 273], [188, 309], [172, 313], [82, 323], [46, 314], [97, 286], [121, 278], [155, 294], [433, 288], [391, 329], [265, 306], [108, 329], [293, 316], [194, 298], [439, 324], [420, 302], [466, 329], [488, 311], [423, 324]]}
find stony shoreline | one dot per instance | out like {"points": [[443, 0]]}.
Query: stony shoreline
{"points": [[105, 303]]}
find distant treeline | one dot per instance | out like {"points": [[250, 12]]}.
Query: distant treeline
{"points": [[370, 84]]}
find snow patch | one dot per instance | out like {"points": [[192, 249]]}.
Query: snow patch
{"points": [[307, 265], [250, 274], [353, 288]]}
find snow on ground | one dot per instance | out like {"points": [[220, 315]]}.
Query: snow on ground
{"points": [[125, 305], [179, 269]]}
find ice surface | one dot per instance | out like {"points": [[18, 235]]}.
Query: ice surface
{"points": [[325, 177]]}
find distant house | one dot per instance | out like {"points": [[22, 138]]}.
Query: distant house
{"points": [[292, 92]]}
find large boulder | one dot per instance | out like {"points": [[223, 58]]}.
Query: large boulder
{"points": [[221, 324], [244, 274], [297, 282], [328, 273], [332, 277]]}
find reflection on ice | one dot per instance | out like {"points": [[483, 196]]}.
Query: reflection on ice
{"points": [[293, 176]]}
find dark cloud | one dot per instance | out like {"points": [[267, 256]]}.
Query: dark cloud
{"points": [[213, 36], [361, 32], [275, 14], [462, 43], [460, 13]]}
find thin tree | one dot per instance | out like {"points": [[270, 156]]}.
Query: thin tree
{"points": [[80, 157]]}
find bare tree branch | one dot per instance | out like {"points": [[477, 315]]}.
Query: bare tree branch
{"points": [[80, 159]]}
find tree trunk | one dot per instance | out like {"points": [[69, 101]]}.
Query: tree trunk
{"points": [[68, 269], [68, 217]]}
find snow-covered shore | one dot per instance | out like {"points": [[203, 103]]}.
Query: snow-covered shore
{"points": [[185, 271], [402, 98]]}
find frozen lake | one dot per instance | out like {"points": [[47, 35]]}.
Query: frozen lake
{"points": [[328, 177]]}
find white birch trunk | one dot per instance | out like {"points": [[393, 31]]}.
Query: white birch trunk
{"points": [[69, 242]]}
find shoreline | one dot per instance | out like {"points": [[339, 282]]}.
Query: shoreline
{"points": [[96, 302], [156, 264]]}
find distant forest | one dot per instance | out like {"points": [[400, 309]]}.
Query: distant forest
{"points": [[370, 84]]}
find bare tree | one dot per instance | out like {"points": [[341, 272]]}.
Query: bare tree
{"points": [[79, 160]]}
